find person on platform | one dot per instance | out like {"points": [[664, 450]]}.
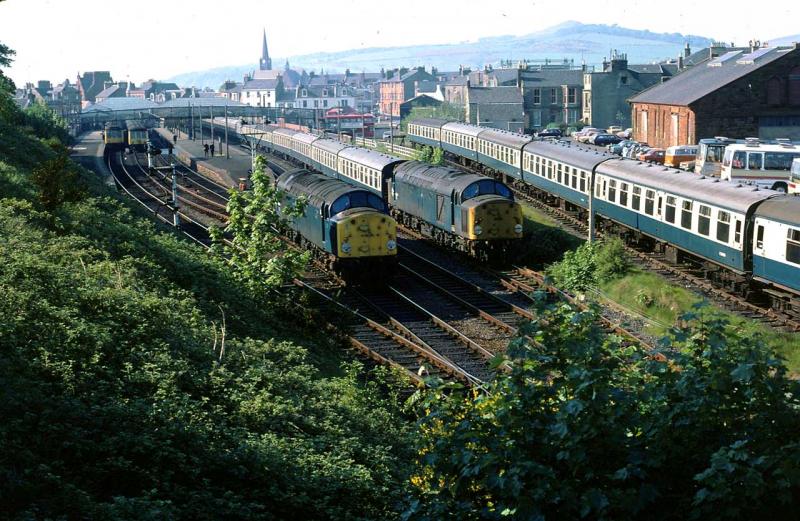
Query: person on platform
{"points": [[205, 149], [211, 148]]}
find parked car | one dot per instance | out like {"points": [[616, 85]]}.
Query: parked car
{"points": [[633, 148], [626, 134], [616, 148], [605, 139], [613, 129], [550, 132], [585, 135], [653, 155], [387, 134]]}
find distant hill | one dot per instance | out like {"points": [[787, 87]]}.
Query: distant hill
{"points": [[784, 40], [569, 40]]}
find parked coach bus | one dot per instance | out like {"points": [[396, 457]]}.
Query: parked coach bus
{"points": [[708, 161], [766, 166]]}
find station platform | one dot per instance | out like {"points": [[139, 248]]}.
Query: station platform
{"points": [[226, 171], [88, 151]]}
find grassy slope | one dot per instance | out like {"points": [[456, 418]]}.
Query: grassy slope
{"points": [[662, 302]]}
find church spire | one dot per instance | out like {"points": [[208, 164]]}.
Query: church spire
{"points": [[265, 63]]}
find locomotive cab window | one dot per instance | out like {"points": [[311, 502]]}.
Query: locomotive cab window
{"points": [[793, 246], [485, 187]]}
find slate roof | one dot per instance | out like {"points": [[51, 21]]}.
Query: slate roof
{"points": [[703, 79], [495, 95], [260, 85], [551, 78], [114, 91], [505, 75], [461, 80]]}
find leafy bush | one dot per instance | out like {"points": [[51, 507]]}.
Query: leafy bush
{"points": [[589, 263], [46, 123], [586, 427]]}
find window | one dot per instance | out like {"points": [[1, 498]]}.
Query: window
{"points": [[778, 161], [737, 234], [553, 96], [574, 178], [670, 213], [739, 159], [704, 220], [723, 226], [558, 170], [537, 98], [583, 181], [649, 202], [612, 190], [686, 215], [774, 92], [572, 94], [637, 198], [759, 236], [793, 246], [623, 194], [755, 160]]}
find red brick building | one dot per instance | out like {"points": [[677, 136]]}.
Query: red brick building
{"points": [[750, 93], [395, 91]]}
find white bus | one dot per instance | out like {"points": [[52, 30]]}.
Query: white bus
{"points": [[794, 182], [766, 166]]}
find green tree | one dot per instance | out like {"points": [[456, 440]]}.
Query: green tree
{"points": [[256, 251], [46, 123], [57, 179], [424, 154], [587, 427], [582, 268], [9, 112], [437, 157]]}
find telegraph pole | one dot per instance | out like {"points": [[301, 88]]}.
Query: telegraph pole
{"points": [[227, 150], [211, 112]]}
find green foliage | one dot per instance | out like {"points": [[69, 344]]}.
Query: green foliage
{"points": [[437, 158], [9, 112], [586, 427], [57, 180], [140, 379], [584, 267], [46, 123], [257, 254], [424, 154]]}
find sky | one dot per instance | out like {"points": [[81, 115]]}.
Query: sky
{"points": [[55, 39]]}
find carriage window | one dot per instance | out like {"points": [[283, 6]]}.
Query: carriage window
{"points": [[612, 190], [558, 169], [637, 198], [549, 169], [623, 194], [759, 236], [583, 181], [574, 178], [670, 213], [686, 215], [755, 160], [723, 226], [704, 220], [793, 246]]}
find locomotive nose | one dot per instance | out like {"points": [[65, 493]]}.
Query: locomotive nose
{"points": [[367, 234], [495, 219]]}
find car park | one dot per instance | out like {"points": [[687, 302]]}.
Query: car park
{"points": [[586, 134], [613, 129]]}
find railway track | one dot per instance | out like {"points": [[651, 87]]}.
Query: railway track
{"points": [[419, 342], [681, 274]]}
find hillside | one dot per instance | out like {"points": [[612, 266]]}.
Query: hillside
{"points": [[571, 40]]}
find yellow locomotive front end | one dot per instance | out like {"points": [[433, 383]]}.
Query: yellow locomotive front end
{"points": [[365, 233], [489, 219]]}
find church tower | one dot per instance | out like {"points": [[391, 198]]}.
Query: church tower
{"points": [[265, 63]]}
